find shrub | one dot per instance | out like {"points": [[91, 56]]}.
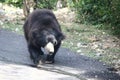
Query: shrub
{"points": [[17, 3], [49, 4], [98, 11]]}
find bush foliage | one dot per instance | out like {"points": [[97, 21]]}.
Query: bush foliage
{"points": [[17, 3], [49, 4], [98, 11]]}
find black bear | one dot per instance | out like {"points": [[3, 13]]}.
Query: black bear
{"points": [[41, 30]]}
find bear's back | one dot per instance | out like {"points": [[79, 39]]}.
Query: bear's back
{"points": [[42, 18]]}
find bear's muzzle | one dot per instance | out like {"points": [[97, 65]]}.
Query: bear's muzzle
{"points": [[49, 47]]}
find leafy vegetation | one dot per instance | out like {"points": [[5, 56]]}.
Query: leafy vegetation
{"points": [[17, 3], [49, 4], [99, 12]]}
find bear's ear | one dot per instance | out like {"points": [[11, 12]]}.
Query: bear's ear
{"points": [[61, 36]]}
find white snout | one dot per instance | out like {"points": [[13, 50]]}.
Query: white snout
{"points": [[49, 47]]}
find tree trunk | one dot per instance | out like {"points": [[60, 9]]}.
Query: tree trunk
{"points": [[59, 4], [29, 5], [26, 8], [36, 4]]}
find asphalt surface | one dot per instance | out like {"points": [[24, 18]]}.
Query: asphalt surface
{"points": [[15, 63]]}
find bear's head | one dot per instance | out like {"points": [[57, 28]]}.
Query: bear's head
{"points": [[46, 37]]}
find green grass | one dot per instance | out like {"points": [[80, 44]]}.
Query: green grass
{"points": [[14, 27], [77, 33], [80, 33], [112, 30]]}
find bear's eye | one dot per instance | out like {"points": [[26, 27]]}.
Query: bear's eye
{"points": [[55, 42], [51, 38]]}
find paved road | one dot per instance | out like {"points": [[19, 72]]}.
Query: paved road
{"points": [[15, 63]]}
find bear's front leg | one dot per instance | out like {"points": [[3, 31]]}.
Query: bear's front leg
{"points": [[50, 56], [35, 54]]}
